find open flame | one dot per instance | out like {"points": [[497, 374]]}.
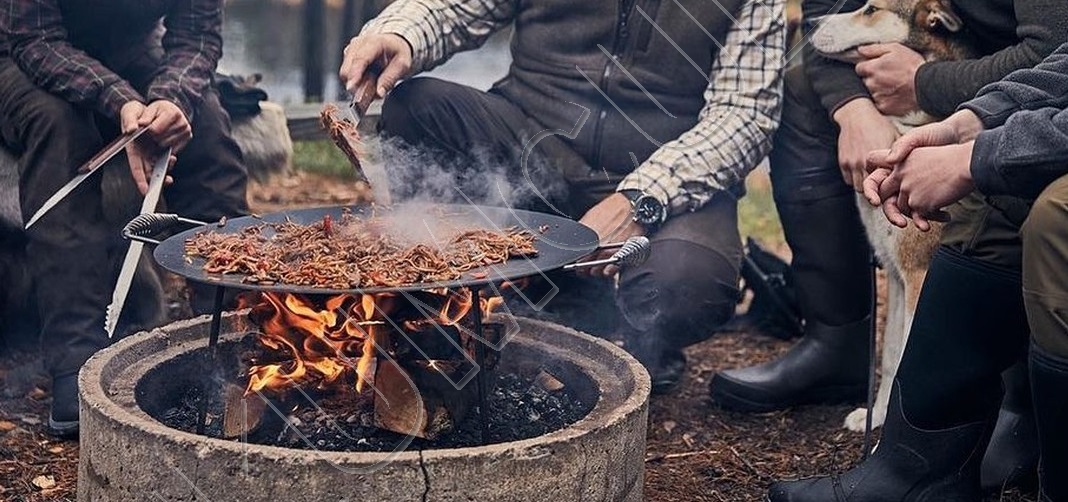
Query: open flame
{"points": [[321, 341]]}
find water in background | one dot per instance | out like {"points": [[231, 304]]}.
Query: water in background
{"points": [[264, 36]]}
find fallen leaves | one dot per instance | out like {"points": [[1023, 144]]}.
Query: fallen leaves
{"points": [[44, 482], [6, 426]]}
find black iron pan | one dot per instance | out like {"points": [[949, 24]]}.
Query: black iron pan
{"points": [[561, 241]]}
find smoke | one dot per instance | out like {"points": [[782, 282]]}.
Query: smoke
{"points": [[403, 173]]}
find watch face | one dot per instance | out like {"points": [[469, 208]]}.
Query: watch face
{"points": [[648, 211]]}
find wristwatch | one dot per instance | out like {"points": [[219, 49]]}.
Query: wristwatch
{"points": [[647, 211]]}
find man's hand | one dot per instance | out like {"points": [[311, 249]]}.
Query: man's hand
{"points": [[927, 181], [144, 151], [387, 52], [960, 127], [613, 220], [889, 72], [863, 129], [167, 124]]}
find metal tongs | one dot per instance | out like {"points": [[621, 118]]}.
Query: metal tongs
{"points": [[634, 251]]}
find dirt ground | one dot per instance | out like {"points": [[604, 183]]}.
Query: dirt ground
{"points": [[695, 452]]}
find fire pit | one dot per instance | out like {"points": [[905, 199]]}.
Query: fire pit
{"points": [[128, 453]]}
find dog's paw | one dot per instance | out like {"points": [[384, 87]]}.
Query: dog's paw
{"points": [[857, 419]]}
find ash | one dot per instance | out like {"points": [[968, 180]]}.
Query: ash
{"points": [[517, 409]]}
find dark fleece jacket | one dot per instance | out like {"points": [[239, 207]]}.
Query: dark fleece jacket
{"points": [[1012, 34], [1025, 146]]}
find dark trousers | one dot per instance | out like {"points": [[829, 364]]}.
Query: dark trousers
{"points": [[68, 247], [688, 286], [818, 210]]}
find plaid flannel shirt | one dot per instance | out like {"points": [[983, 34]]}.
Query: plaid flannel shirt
{"points": [[742, 100], [34, 33]]}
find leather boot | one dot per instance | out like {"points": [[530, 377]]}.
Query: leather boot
{"points": [[1049, 384], [832, 273], [829, 365], [969, 327], [1011, 459]]}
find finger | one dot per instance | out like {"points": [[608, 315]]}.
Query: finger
{"points": [[171, 162], [137, 171], [901, 149], [610, 270], [893, 214], [149, 115], [396, 69], [864, 70], [872, 185], [168, 180], [921, 221], [877, 160], [858, 175], [874, 50], [129, 118], [363, 56]]}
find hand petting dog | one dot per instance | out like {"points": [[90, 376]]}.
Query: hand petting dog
{"points": [[889, 73]]}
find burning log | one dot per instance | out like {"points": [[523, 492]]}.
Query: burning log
{"points": [[413, 356], [243, 413]]}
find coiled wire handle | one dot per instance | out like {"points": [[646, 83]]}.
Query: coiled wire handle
{"points": [[145, 225], [633, 251]]}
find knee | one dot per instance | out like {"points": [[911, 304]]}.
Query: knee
{"points": [[405, 109], [683, 285], [54, 119], [1043, 232]]}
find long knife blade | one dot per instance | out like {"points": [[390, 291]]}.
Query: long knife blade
{"points": [[133, 254], [87, 169]]}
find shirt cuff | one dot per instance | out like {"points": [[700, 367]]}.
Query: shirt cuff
{"points": [[985, 173], [117, 95], [993, 108]]}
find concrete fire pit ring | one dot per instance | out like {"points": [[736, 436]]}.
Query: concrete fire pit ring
{"points": [[128, 455]]}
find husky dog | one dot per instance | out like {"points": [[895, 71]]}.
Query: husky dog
{"points": [[933, 29]]}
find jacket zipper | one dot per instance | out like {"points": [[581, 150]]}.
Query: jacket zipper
{"points": [[618, 47]]}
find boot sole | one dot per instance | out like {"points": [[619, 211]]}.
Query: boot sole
{"points": [[843, 394], [63, 429]]}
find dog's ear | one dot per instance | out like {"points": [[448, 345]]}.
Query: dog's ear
{"points": [[940, 13]]}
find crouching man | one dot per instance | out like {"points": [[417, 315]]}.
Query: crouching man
{"points": [[649, 113], [972, 322], [73, 74]]}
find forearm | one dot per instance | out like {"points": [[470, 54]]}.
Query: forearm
{"points": [[192, 46], [1023, 156], [39, 46], [835, 82], [437, 29], [1045, 85], [942, 86], [734, 130]]}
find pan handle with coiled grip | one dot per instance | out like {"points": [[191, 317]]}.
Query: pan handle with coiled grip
{"points": [[634, 251], [145, 225]]}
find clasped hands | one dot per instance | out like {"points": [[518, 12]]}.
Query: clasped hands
{"points": [[924, 171]]}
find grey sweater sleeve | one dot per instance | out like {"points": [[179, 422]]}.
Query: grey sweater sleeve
{"points": [[1026, 144], [1042, 25], [835, 82]]}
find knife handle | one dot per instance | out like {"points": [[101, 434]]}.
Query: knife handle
{"points": [[365, 93]]}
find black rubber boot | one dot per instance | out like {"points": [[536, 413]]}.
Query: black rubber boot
{"points": [[969, 327], [829, 365], [832, 272], [63, 418], [1049, 384], [1011, 459]]}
